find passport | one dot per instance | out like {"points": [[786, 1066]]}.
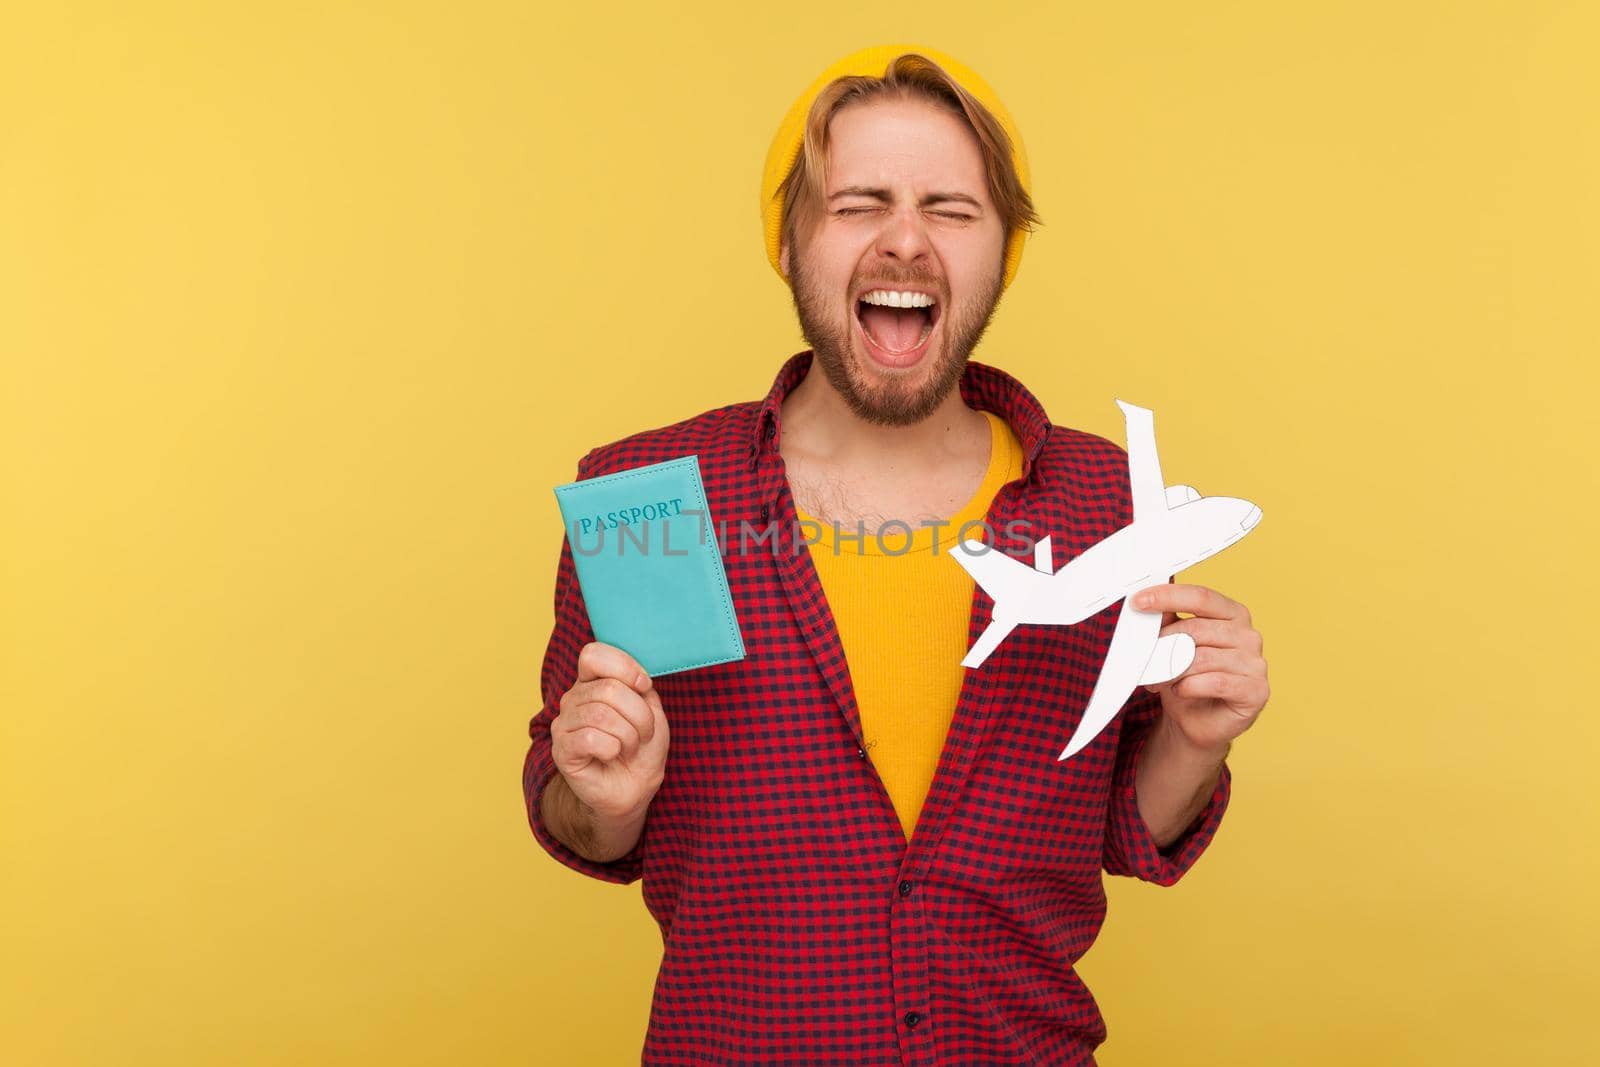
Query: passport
{"points": [[648, 563]]}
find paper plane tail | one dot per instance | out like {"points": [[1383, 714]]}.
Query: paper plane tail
{"points": [[987, 642], [996, 573]]}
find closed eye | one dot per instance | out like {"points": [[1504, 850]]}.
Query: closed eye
{"points": [[863, 210]]}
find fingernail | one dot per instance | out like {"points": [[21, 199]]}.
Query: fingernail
{"points": [[641, 682], [1142, 600]]}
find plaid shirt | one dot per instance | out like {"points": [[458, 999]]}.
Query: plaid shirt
{"points": [[798, 925]]}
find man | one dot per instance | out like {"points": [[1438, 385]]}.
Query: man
{"points": [[858, 851]]}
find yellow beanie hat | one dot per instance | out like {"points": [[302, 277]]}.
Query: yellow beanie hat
{"points": [[873, 62]]}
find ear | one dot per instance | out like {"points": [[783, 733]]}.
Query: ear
{"points": [[783, 259]]}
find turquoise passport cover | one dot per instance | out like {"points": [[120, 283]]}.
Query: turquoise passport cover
{"points": [[645, 548]]}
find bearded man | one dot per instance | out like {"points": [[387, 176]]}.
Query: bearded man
{"points": [[861, 852]]}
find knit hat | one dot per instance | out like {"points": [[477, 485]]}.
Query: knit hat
{"points": [[873, 62]]}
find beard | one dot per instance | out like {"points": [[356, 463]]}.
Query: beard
{"points": [[871, 392]]}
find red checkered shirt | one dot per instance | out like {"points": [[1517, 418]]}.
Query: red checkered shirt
{"points": [[798, 925]]}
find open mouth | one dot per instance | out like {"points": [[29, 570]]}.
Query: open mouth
{"points": [[896, 327]]}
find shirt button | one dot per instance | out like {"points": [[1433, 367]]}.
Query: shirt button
{"points": [[763, 513], [772, 429], [912, 1018], [905, 888], [861, 753]]}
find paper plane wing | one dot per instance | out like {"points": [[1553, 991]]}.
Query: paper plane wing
{"points": [[1144, 462], [1132, 642], [1173, 655]]}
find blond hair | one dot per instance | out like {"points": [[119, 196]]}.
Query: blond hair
{"points": [[910, 75]]}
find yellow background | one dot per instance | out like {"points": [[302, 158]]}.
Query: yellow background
{"points": [[305, 308]]}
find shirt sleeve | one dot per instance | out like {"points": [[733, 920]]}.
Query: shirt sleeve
{"points": [[568, 636], [1129, 848]]}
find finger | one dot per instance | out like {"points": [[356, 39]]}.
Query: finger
{"points": [[1232, 689], [604, 717], [631, 705], [1194, 599], [620, 697], [1216, 633], [1226, 660], [600, 660], [658, 714], [589, 743]]}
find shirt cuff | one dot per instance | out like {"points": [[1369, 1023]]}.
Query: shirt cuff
{"points": [[1132, 851], [537, 771]]}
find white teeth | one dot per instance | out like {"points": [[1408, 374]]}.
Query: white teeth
{"points": [[894, 299]]}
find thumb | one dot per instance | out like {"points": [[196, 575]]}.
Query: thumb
{"points": [[653, 700]]}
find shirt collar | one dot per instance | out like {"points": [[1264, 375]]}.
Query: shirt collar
{"points": [[983, 387]]}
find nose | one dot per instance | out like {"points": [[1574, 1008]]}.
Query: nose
{"points": [[903, 236], [1251, 517]]}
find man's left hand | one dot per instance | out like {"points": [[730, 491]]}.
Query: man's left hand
{"points": [[1222, 692]]}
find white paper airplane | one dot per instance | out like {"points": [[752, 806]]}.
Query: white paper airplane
{"points": [[1173, 527]]}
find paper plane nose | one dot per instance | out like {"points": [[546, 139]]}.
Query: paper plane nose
{"points": [[1250, 520]]}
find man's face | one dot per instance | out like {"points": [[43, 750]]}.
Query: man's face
{"points": [[907, 209]]}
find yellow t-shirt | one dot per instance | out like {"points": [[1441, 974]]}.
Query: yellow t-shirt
{"points": [[902, 610]]}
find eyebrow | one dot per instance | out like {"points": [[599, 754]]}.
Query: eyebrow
{"points": [[883, 196]]}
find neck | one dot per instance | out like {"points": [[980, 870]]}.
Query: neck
{"points": [[818, 421]]}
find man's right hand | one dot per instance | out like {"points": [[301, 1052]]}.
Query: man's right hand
{"points": [[610, 739]]}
